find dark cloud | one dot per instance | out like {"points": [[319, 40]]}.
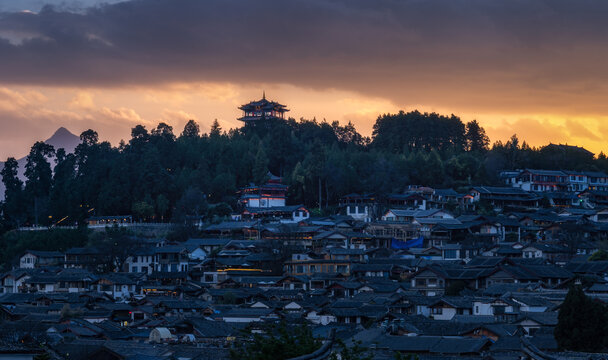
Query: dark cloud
{"points": [[522, 54]]}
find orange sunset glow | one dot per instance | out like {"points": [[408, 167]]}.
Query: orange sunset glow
{"points": [[535, 70]]}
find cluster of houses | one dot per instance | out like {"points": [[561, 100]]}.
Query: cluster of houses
{"points": [[429, 272]]}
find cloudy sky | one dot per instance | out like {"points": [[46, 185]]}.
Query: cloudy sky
{"points": [[535, 68]]}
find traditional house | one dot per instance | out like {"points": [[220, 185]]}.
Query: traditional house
{"points": [[117, 285], [34, 258], [312, 266], [449, 306], [141, 261], [361, 207], [408, 200], [284, 214], [171, 258], [409, 216], [501, 197], [542, 180], [82, 258]]}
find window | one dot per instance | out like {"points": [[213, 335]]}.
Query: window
{"points": [[437, 311], [450, 254], [420, 282]]}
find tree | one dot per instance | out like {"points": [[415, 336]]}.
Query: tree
{"points": [[401, 356], [600, 255], [164, 131], [139, 135], [89, 138], [14, 243], [221, 210], [216, 129], [142, 210], [414, 131], [43, 356], [582, 323], [63, 202], [191, 130], [117, 244], [348, 134], [39, 176], [477, 140], [68, 313], [260, 166], [192, 204], [162, 205], [13, 193], [354, 352], [281, 341]]}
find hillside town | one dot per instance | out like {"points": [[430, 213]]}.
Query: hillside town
{"points": [[399, 274], [303, 180]]}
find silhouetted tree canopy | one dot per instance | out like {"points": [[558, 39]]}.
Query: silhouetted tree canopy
{"points": [[157, 176]]}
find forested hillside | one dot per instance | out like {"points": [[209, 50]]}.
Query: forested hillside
{"points": [[163, 174]]}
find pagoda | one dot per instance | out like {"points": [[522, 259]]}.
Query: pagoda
{"points": [[263, 109]]}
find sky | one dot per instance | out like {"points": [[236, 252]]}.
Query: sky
{"points": [[535, 68]]}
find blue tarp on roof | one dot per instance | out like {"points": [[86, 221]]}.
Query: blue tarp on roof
{"points": [[404, 245]]}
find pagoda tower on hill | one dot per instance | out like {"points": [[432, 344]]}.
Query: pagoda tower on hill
{"points": [[257, 111]]}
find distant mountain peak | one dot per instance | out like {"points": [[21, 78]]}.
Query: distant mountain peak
{"points": [[64, 138], [62, 133]]}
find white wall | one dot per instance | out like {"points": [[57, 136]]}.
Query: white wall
{"points": [[27, 261]]}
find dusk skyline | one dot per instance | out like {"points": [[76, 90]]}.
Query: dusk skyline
{"points": [[532, 68]]}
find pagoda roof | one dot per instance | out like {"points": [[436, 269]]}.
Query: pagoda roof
{"points": [[263, 104]]}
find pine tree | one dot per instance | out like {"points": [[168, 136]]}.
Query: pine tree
{"points": [[13, 193], [476, 137], [191, 130], [39, 177], [260, 166]]}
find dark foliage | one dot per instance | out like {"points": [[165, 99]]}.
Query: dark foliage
{"points": [[14, 243], [280, 341], [157, 176], [582, 323]]}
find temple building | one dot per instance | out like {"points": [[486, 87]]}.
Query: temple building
{"points": [[267, 202], [271, 194], [263, 109]]}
